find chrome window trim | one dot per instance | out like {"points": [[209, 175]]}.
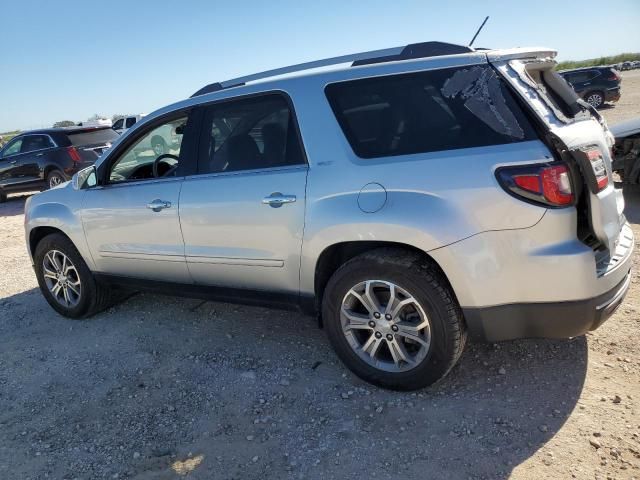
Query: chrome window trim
{"points": [[253, 171], [137, 181]]}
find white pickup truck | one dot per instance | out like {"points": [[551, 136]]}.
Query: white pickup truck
{"points": [[162, 142], [125, 123]]}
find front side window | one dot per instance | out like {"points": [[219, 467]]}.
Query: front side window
{"points": [[118, 124], [13, 147], [154, 155], [249, 134], [431, 111]]}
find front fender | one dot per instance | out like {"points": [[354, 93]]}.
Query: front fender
{"points": [[53, 212]]}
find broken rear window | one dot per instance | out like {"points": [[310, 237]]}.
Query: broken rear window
{"points": [[427, 112]]}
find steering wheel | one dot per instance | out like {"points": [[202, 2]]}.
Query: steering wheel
{"points": [[172, 168]]}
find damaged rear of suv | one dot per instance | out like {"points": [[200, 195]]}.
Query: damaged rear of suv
{"points": [[410, 199], [580, 250]]}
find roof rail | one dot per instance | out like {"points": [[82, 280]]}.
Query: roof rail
{"points": [[414, 50]]}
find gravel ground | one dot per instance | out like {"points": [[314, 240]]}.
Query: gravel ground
{"points": [[629, 104], [164, 387]]}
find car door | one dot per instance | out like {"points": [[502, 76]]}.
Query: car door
{"points": [[33, 154], [582, 81], [9, 157], [131, 218], [242, 214]]}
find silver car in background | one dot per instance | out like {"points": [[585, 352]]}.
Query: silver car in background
{"points": [[409, 199]]}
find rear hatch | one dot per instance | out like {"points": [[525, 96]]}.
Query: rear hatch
{"points": [[576, 133]]}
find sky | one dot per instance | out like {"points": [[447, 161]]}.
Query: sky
{"points": [[72, 59]]}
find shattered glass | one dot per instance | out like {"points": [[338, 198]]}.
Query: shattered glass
{"points": [[481, 90]]}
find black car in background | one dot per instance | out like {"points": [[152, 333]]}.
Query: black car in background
{"points": [[42, 159], [595, 85]]}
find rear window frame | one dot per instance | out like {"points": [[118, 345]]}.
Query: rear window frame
{"points": [[530, 132]]}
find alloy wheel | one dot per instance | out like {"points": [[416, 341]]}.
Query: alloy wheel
{"points": [[62, 278], [54, 181], [385, 326], [595, 100]]}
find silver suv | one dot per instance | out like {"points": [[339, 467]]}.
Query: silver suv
{"points": [[409, 199]]}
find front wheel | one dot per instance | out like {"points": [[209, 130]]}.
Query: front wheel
{"points": [[393, 320], [65, 280]]}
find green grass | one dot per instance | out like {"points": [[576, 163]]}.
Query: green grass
{"points": [[592, 62]]}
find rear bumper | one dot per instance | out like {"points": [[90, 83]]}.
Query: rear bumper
{"points": [[544, 320], [612, 94]]}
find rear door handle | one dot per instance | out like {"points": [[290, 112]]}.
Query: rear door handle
{"points": [[13, 162], [277, 199], [158, 205]]}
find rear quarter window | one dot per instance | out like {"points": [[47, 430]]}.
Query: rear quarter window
{"points": [[431, 111], [93, 137]]}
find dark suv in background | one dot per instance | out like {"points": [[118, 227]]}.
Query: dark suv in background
{"points": [[596, 85], [42, 159]]}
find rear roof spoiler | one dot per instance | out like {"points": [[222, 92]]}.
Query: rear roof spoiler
{"points": [[521, 53]]}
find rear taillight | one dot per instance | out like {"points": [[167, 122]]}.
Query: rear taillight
{"points": [[548, 184], [73, 154], [598, 166], [614, 77]]}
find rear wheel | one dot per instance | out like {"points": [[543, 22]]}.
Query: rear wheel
{"points": [[595, 99], [393, 320], [55, 178], [65, 280], [3, 197]]}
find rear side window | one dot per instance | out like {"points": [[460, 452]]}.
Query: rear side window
{"points": [[585, 76], [248, 134], [431, 111], [93, 137], [130, 122], [31, 143]]}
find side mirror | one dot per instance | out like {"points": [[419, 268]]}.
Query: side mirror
{"points": [[85, 178]]}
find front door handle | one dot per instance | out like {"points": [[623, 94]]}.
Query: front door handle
{"points": [[277, 199], [158, 205], [13, 162]]}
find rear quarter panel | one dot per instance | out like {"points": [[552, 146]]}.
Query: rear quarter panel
{"points": [[431, 199]]}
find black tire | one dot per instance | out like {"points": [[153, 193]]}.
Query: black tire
{"points": [[3, 197], [94, 296], [596, 99], [428, 286], [159, 146], [55, 177]]}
